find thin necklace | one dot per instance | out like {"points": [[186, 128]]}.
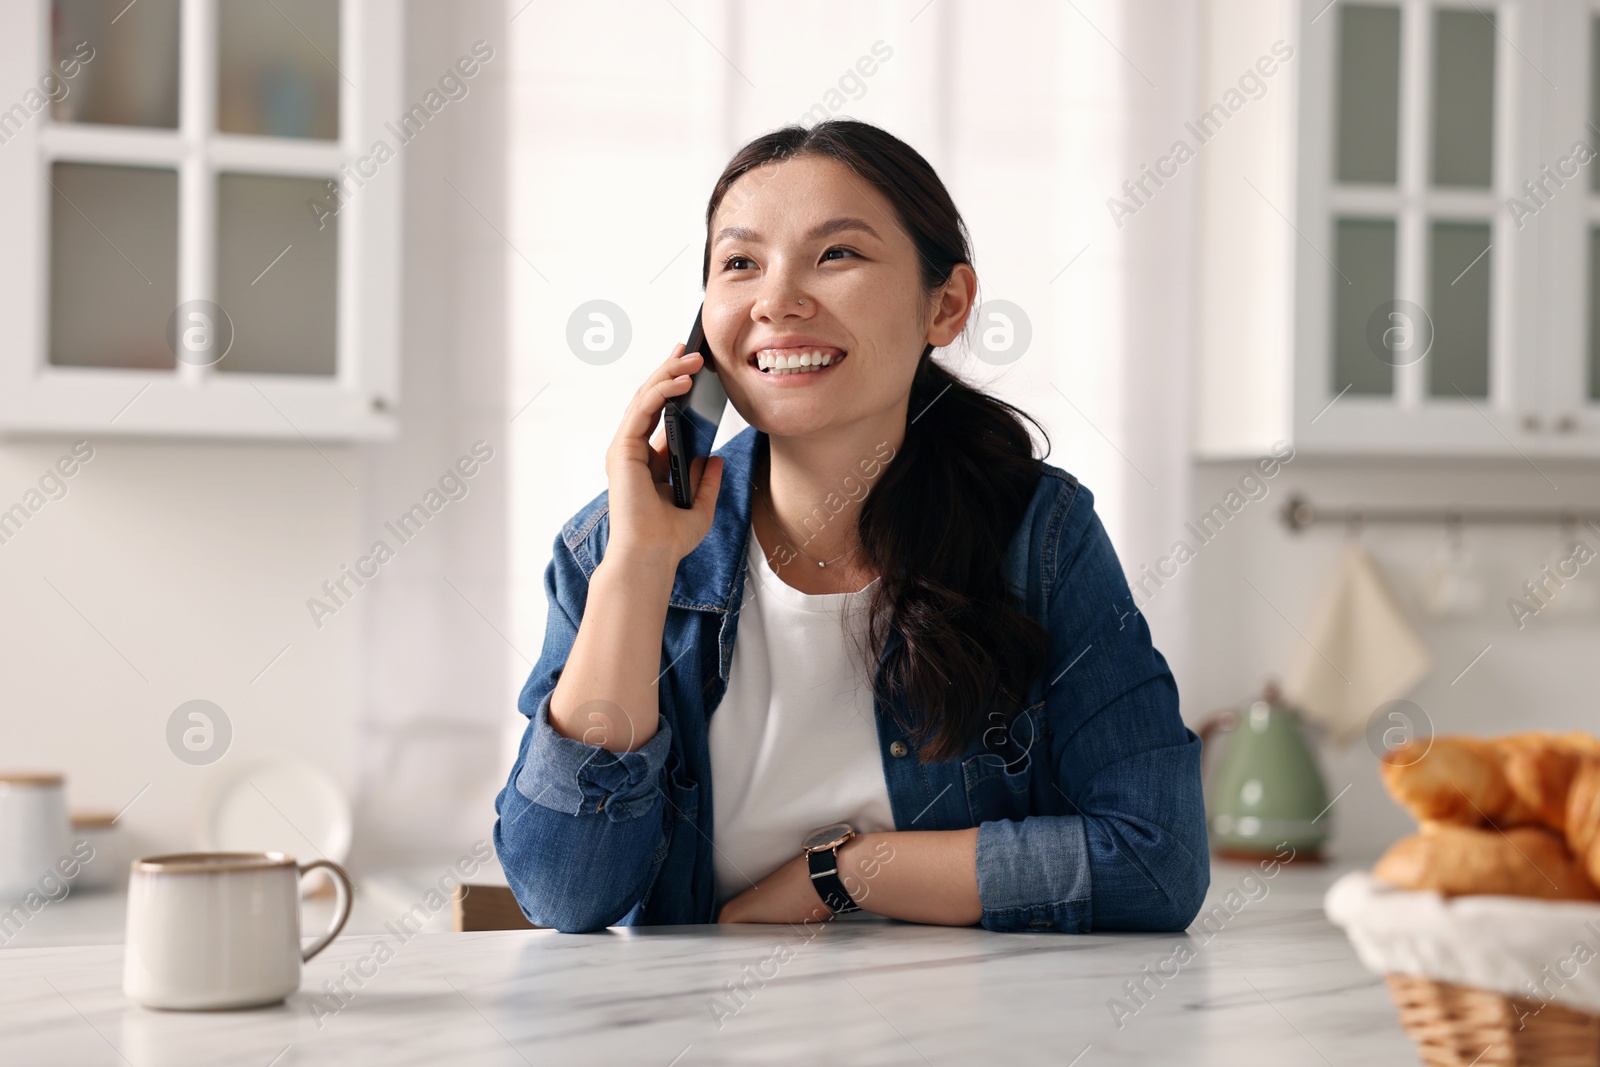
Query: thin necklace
{"points": [[821, 563]]}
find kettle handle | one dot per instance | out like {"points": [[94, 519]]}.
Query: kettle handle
{"points": [[1225, 719], [1229, 717]]}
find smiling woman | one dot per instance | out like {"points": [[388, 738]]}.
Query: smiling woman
{"points": [[803, 644]]}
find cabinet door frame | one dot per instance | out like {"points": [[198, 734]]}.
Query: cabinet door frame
{"points": [[1563, 288], [1409, 420], [361, 399]]}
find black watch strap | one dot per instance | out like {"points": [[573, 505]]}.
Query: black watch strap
{"points": [[824, 867]]}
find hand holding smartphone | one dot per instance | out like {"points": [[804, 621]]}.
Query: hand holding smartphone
{"points": [[692, 419]]}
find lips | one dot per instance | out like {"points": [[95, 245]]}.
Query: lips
{"points": [[796, 359]]}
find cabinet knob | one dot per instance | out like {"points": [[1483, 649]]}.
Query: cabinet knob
{"points": [[1566, 424], [1531, 423]]}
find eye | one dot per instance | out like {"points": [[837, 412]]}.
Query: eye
{"points": [[841, 250], [731, 262]]}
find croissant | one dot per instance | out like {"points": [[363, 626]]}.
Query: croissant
{"points": [[1525, 861], [1539, 769], [1453, 779], [1517, 815], [1583, 815]]}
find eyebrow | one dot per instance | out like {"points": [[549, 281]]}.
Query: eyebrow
{"points": [[826, 229]]}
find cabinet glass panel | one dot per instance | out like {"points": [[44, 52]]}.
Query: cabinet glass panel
{"points": [[277, 72], [1458, 302], [1463, 98], [277, 275], [1594, 313], [1362, 299], [123, 60], [1367, 149], [113, 265]]}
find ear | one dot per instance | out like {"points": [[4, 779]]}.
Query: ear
{"points": [[952, 305]]}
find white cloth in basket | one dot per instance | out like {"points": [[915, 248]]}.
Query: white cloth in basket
{"points": [[1540, 950]]}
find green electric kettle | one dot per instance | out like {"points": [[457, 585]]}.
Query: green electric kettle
{"points": [[1264, 789]]}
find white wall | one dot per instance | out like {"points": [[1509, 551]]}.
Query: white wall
{"points": [[1539, 677], [181, 569], [439, 677], [194, 559], [1544, 676]]}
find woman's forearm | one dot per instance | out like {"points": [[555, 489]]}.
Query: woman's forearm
{"points": [[922, 876], [608, 693]]}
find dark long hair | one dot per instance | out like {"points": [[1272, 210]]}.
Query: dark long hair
{"points": [[936, 525]]}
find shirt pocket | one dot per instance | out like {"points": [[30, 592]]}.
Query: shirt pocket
{"points": [[683, 797], [675, 855], [1000, 777]]}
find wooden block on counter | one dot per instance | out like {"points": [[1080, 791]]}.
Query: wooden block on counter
{"points": [[487, 907]]}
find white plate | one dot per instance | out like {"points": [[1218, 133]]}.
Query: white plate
{"points": [[276, 804]]}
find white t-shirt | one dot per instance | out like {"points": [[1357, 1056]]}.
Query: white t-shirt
{"points": [[794, 742]]}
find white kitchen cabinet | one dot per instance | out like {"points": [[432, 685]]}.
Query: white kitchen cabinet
{"points": [[1431, 159], [200, 233]]}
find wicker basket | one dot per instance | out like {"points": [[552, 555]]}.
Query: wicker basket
{"points": [[1455, 1026]]}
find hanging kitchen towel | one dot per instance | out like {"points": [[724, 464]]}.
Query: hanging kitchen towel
{"points": [[1360, 652]]}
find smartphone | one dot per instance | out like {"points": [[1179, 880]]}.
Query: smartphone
{"points": [[693, 418]]}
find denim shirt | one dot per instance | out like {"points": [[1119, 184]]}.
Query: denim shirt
{"points": [[1087, 801]]}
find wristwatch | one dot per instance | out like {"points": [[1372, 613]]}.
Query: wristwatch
{"points": [[821, 848]]}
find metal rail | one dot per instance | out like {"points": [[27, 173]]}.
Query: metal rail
{"points": [[1298, 514]]}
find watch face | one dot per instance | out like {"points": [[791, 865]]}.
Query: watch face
{"points": [[827, 836]]}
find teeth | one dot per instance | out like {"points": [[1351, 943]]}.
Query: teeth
{"points": [[793, 363]]}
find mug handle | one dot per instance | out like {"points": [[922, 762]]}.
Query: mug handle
{"points": [[343, 893]]}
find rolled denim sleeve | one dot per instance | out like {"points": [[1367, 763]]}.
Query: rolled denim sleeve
{"points": [[577, 778], [580, 827], [1130, 851]]}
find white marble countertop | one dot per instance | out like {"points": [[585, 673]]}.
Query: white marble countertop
{"points": [[1272, 983]]}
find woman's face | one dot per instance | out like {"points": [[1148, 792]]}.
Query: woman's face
{"points": [[809, 261]]}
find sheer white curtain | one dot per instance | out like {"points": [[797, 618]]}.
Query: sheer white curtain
{"points": [[1033, 113]]}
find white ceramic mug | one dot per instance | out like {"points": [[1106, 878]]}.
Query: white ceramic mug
{"points": [[34, 831], [220, 929], [98, 844]]}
